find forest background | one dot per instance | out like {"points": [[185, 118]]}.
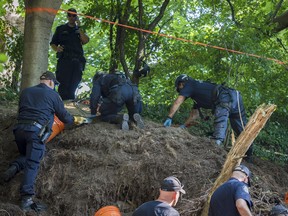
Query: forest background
{"points": [[242, 44]]}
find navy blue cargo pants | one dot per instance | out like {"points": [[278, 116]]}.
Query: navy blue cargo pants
{"points": [[31, 151], [229, 105], [119, 96], [69, 74]]}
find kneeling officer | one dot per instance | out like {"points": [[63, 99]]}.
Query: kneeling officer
{"points": [[110, 93]]}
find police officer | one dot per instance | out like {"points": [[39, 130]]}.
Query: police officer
{"points": [[278, 210], [232, 198], [170, 191], [225, 103], [67, 42], [37, 107], [110, 93]]}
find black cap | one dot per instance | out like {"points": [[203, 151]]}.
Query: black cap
{"points": [[72, 10], [48, 75], [172, 183], [245, 170]]}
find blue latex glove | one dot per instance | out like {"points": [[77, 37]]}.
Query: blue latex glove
{"points": [[168, 122], [182, 126]]}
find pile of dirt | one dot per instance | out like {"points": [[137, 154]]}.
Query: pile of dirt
{"points": [[95, 165]]}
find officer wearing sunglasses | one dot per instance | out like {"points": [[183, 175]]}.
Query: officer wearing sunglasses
{"points": [[67, 42]]}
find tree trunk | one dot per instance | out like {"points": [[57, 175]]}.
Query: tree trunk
{"points": [[37, 32], [143, 36]]}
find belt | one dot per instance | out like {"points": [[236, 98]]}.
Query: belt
{"points": [[30, 122]]}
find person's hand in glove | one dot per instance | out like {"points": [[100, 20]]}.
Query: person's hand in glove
{"points": [[168, 122], [183, 126], [79, 120]]}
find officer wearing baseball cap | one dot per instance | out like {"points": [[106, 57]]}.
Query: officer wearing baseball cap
{"points": [[170, 191], [37, 107], [232, 197]]}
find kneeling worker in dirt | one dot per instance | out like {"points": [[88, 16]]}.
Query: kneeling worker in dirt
{"points": [[232, 198], [37, 107], [110, 93], [225, 103], [170, 191]]}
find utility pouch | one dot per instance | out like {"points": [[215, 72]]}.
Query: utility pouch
{"points": [[45, 132]]}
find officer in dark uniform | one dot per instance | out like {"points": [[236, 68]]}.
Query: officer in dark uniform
{"points": [[37, 107], [170, 192], [110, 93], [279, 210], [225, 103], [67, 42], [232, 198]]}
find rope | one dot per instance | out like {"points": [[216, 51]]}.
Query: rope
{"points": [[54, 11]]}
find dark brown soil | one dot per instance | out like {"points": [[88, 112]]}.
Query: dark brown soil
{"points": [[97, 164]]}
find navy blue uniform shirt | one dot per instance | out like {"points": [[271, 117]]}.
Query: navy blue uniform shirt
{"points": [[155, 208], [223, 200], [102, 87], [39, 103], [200, 92], [67, 37]]}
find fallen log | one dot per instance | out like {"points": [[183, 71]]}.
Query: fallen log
{"points": [[243, 142]]}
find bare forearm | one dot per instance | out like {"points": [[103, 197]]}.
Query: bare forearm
{"points": [[243, 208], [176, 106]]}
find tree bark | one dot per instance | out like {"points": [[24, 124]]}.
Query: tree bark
{"points": [[37, 32]]}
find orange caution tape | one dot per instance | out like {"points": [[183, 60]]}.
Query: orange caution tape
{"points": [[54, 11]]}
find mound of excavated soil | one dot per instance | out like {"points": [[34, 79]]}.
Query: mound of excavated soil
{"points": [[97, 164]]}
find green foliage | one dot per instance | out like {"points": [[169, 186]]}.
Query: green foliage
{"points": [[8, 95], [3, 59], [207, 33]]}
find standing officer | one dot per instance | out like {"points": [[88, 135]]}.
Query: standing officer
{"points": [[232, 198], [37, 107], [110, 93], [225, 103], [170, 191], [67, 42]]}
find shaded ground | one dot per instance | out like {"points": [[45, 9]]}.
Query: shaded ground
{"points": [[97, 164]]}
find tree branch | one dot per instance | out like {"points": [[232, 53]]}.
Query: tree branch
{"points": [[277, 9], [233, 13]]}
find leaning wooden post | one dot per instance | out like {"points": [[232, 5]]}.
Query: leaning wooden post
{"points": [[242, 144]]}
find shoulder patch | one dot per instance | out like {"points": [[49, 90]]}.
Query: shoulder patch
{"points": [[245, 189]]}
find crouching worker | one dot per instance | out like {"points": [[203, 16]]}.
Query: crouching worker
{"points": [[110, 93], [37, 107], [225, 103], [170, 191]]}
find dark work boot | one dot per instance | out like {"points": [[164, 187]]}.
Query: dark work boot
{"points": [[125, 125], [28, 204], [138, 120], [8, 174]]}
